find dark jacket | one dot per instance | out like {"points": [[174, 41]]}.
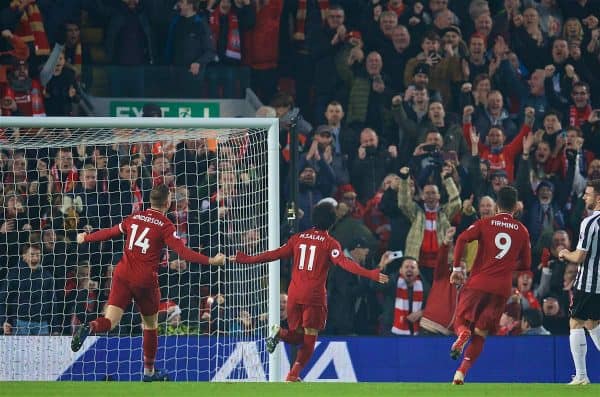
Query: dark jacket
{"points": [[195, 45], [27, 295], [118, 21]]}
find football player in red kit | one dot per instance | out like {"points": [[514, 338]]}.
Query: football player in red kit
{"points": [[313, 252], [503, 248], [135, 277]]}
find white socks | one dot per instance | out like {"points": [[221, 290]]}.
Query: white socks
{"points": [[578, 351], [595, 334]]}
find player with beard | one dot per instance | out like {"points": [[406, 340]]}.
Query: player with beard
{"points": [[313, 252]]}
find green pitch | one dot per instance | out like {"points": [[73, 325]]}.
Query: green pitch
{"points": [[180, 389]]}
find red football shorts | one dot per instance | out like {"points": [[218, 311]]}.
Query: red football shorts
{"points": [[480, 309], [147, 299], [306, 316]]}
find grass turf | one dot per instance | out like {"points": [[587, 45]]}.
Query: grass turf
{"points": [[181, 389]]}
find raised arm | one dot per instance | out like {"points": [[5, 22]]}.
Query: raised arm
{"points": [[100, 235]]}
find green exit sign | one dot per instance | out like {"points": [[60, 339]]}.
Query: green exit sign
{"points": [[169, 109]]}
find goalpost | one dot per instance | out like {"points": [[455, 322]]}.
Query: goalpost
{"points": [[65, 175]]}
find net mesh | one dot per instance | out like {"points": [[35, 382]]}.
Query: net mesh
{"points": [[57, 182]]}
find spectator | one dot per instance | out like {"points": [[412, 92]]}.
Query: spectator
{"points": [[375, 219], [444, 67], [170, 321], [510, 322], [428, 223], [312, 188], [344, 290], [581, 109], [405, 296], [345, 140], [227, 23], [370, 95], [63, 174], [23, 95], [494, 115], [60, 93], [77, 56], [348, 228], [189, 49], [130, 48], [323, 157], [27, 296], [500, 156], [532, 323], [399, 223], [555, 318], [438, 315], [396, 57], [327, 43], [372, 164], [260, 48], [80, 299]]}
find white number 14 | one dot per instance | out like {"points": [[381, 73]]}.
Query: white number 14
{"points": [[141, 241]]}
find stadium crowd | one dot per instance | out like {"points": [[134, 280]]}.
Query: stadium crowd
{"points": [[410, 116]]}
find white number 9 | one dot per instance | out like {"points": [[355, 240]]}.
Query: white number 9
{"points": [[503, 242]]}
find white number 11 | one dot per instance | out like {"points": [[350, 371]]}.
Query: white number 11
{"points": [[311, 257]]}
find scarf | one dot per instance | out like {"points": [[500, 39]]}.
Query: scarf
{"points": [[579, 116], [77, 60], [136, 198], [69, 184], [299, 34], [429, 247], [533, 302], [31, 28], [233, 49], [402, 309]]}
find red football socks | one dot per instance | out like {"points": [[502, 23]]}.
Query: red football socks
{"points": [[304, 353], [472, 353], [150, 345], [291, 337], [100, 325]]}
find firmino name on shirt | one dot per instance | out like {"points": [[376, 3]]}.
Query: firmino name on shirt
{"points": [[507, 225], [148, 219], [312, 237]]}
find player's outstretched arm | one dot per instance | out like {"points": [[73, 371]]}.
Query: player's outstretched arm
{"points": [[217, 260], [355, 268], [185, 253], [285, 251], [100, 235]]}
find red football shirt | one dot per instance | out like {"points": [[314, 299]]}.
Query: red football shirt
{"points": [[503, 247], [146, 234], [313, 252]]}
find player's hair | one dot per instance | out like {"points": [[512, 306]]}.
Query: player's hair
{"points": [[507, 198], [595, 184], [159, 196], [323, 216]]}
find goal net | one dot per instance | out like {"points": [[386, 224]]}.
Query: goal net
{"points": [[62, 176]]}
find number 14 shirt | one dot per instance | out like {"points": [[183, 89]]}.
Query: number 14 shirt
{"points": [[503, 247], [146, 234]]}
